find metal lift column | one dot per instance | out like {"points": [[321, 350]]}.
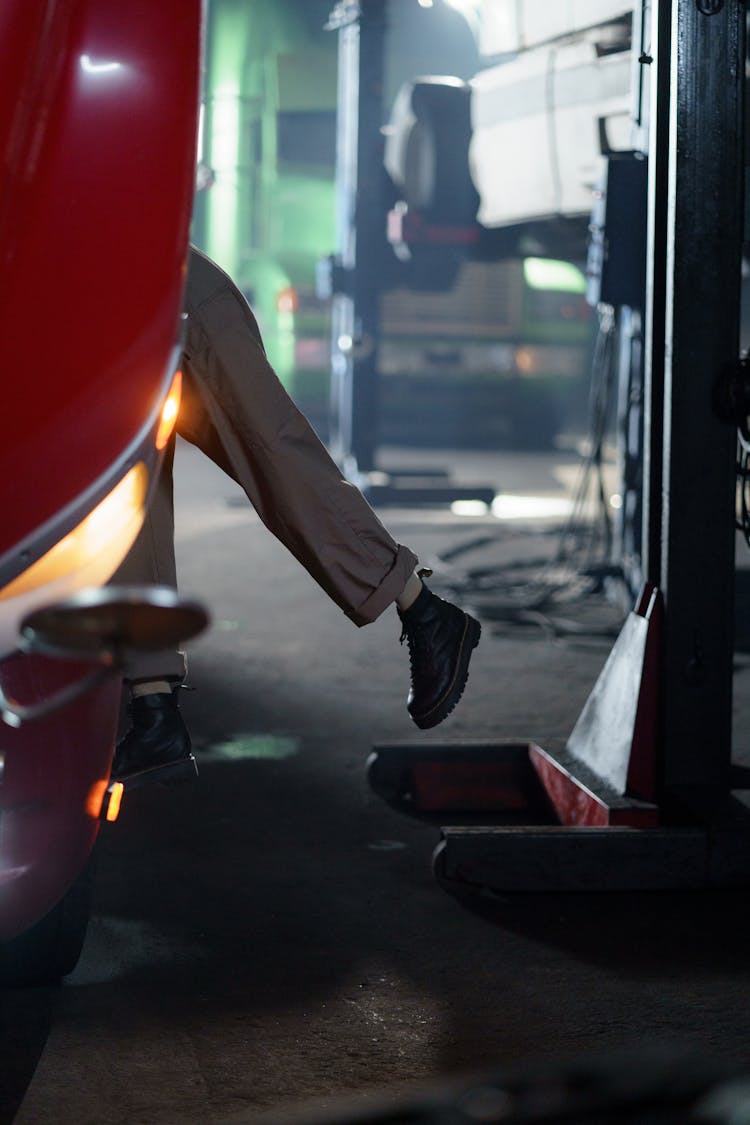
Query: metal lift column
{"points": [[697, 205], [364, 266], [360, 234]]}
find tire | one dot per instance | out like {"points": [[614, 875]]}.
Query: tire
{"points": [[431, 269], [429, 162], [50, 949]]}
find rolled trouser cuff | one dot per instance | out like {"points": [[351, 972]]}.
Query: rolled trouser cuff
{"points": [[404, 565]]}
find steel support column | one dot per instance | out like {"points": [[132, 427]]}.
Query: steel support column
{"points": [[360, 234], [696, 216], [364, 266]]}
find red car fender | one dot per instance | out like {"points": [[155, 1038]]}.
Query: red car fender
{"points": [[52, 788], [98, 117], [99, 108]]}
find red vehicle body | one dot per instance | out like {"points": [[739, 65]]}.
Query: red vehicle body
{"points": [[98, 112]]}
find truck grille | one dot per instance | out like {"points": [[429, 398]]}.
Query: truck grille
{"points": [[486, 301]]}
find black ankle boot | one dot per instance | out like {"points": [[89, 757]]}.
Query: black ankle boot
{"points": [[157, 746], [441, 638]]}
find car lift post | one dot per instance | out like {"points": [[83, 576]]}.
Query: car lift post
{"points": [[641, 795], [364, 266], [355, 280]]}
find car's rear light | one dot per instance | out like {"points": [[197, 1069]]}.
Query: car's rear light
{"points": [[104, 800], [169, 411], [114, 800], [97, 545]]}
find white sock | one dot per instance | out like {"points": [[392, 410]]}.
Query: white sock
{"points": [[410, 592], [150, 687]]}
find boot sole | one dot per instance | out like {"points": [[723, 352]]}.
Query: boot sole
{"points": [[443, 707], [168, 773]]}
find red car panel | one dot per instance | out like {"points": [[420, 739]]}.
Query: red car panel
{"points": [[98, 106], [55, 772], [98, 114]]}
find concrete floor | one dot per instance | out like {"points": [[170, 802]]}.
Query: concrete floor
{"points": [[272, 937]]}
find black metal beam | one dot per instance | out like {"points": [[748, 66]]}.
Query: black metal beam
{"points": [[697, 227]]}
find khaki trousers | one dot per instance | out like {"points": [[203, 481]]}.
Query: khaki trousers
{"points": [[236, 411]]}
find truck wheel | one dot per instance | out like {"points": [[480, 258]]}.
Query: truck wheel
{"points": [[429, 150], [50, 949]]}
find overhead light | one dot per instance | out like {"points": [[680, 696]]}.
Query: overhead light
{"points": [[469, 508]]}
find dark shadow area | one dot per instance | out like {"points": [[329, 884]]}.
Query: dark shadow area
{"points": [[264, 892], [25, 1021], [638, 933], [742, 610], [662, 1087]]}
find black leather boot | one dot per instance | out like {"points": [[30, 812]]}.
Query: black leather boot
{"points": [[157, 747], [441, 638]]}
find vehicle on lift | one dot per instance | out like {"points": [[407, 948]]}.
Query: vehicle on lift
{"points": [[267, 215], [497, 175], [517, 152], [97, 132]]}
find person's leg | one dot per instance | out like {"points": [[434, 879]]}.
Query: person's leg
{"points": [[236, 410], [157, 744], [151, 562]]}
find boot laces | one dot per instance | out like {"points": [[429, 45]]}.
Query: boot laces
{"points": [[418, 644], [416, 637]]}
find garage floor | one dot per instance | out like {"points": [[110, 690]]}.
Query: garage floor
{"points": [[271, 939]]}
